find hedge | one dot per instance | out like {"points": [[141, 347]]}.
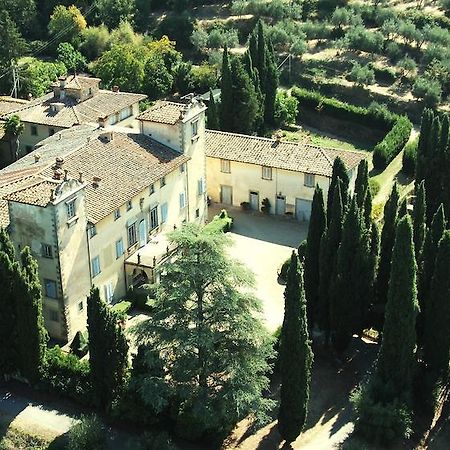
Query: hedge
{"points": [[221, 222], [374, 116], [386, 150]]}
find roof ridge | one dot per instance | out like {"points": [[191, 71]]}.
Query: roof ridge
{"points": [[322, 150]]}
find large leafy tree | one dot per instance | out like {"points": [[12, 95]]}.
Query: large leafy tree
{"points": [[112, 12], [437, 317], [316, 228], [295, 356], [108, 351], [66, 24], [157, 78], [206, 329], [13, 129]]}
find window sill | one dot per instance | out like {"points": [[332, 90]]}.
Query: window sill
{"points": [[71, 222], [195, 138], [266, 179]]}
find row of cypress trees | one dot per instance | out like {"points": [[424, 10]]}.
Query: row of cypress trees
{"points": [[248, 88], [23, 337]]}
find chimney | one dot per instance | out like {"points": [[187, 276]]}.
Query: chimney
{"points": [[107, 136], [37, 157], [59, 162], [80, 177], [58, 174], [66, 174], [115, 88], [96, 181], [102, 121], [62, 82]]}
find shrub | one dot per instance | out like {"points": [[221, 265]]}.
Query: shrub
{"points": [[362, 75], [68, 376], [384, 74], [286, 109], [265, 208], [386, 150], [430, 91], [88, 433], [409, 158], [374, 187], [221, 222], [79, 345], [122, 308], [284, 269], [141, 295]]}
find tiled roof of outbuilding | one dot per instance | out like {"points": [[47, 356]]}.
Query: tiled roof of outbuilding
{"points": [[164, 112], [298, 157]]}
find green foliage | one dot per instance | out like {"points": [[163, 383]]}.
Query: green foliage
{"points": [[95, 41], [286, 109], [113, 12], [374, 187], [122, 308], [386, 150], [66, 375], [212, 113], [226, 102], [38, 76], [409, 159], [72, 59], [157, 78], [88, 433], [214, 346], [177, 27], [430, 91], [295, 356], [66, 24], [153, 441], [358, 38], [419, 221], [284, 270], [108, 351], [204, 77], [362, 75], [79, 345], [265, 208], [339, 173], [220, 222]]}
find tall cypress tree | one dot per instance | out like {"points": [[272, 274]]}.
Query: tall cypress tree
{"points": [[32, 336], [419, 220], [368, 209], [270, 86], [339, 171], [108, 351], [432, 169], [387, 243], [329, 245], [254, 76], [227, 107], [437, 318], [346, 299], [316, 228], [396, 358], [295, 357], [422, 146], [211, 113], [362, 183], [261, 53]]}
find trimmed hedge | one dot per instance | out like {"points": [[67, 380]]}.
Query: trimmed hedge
{"points": [[221, 222], [374, 116], [386, 150]]}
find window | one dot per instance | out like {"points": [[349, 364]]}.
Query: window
{"points": [[225, 166], [132, 235], [153, 218], [80, 306], [163, 181], [51, 131], [95, 263], [194, 129], [164, 210], [116, 213], [119, 248], [46, 250], [71, 209], [152, 189], [182, 200], [200, 186], [34, 130], [109, 292], [129, 205], [183, 168], [50, 289], [54, 316], [92, 231], [197, 213], [266, 173], [309, 180]]}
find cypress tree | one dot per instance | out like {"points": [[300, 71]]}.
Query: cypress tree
{"points": [[6, 245], [339, 171], [270, 87], [108, 351], [253, 46], [260, 61], [422, 146], [396, 357], [402, 208], [387, 243], [211, 113], [226, 95], [362, 183], [432, 169], [32, 336], [329, 245], [419, 220], [346, 290], [295, 357], [367, 213], [437, 319], [254, 76], [316, 228]]}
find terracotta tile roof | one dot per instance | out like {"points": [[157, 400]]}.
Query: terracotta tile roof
{"points": [[8, 104], [36, 192], [298, 157], [164, 112], [80, 82], [102, 103], [126, 165]]}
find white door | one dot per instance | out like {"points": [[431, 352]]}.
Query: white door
{"points": [[303, 209], [226, 195], [142, 234], [280, 206], [254, 200]]}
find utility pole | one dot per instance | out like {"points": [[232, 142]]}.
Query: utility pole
{"points": [[16, 82]]}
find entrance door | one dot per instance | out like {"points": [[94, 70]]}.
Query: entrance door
{"points": [[254, 200], [303, 209], [280, 206], [142, 234], [226, 195]]}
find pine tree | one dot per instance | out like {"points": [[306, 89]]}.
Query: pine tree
{"points": [[295, 357], [339, 171], [316, 228], [437, 318], [226, 96], [387, 244], [32, 336], [396, 358], [347, 288], [212, 116], [108, 351], [329, 245], [419, 220]]}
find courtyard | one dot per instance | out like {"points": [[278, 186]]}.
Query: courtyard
{"points": [[263, 242]]}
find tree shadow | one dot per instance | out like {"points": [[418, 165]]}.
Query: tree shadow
{"points": [[271, 440], [10, 408]]}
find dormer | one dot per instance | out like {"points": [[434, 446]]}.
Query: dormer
{"points": [[78, 88]]}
